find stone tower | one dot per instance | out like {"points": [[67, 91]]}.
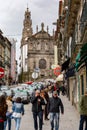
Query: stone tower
{"points": [[27, 30], [26, 33]]}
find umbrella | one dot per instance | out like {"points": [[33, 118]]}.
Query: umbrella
{"points": [[60, 78], [29, 82]]}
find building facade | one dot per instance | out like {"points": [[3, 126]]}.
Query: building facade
{"points": [[5, 59], [73, 24], [37, 50], [41, 52], [14, 73]]}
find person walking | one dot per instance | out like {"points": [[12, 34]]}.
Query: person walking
{"points": [[37, 102], [55, 105], [46, 106], [18, 111], [3, 110], [83, 111], [8, 113]]}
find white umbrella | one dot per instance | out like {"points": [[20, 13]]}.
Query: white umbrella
{"points": [[60, 78]]}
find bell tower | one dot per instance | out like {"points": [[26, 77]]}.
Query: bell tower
{"points": [[27, 29], [26, 34]]}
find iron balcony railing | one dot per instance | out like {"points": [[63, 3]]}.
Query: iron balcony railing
{"points": [[74, 39], [83, 20]]}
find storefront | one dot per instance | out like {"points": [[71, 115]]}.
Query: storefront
{"points": [[81, 68]]}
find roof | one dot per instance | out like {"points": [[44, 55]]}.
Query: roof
{"points": [[42, 34]]}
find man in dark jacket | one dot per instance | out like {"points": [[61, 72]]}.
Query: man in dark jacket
{"points": [[55, 105], [83, 111], [37, 102]]}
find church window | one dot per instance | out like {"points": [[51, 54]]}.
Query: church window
{"points": [[34, 65], [42, 64], [31, 45], [27, 17], [38, 46], [46, 46]]}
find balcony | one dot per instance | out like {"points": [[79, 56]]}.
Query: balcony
{"points": [[8, 63], [77, 1], [83, 22], [73, 11], [73, 43], [2, 64]]}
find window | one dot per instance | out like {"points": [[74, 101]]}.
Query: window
{"points": [[42, 64], [82, 84]]}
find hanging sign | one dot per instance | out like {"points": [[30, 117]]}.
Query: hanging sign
{"points": [[1, 72], [57, 71]]}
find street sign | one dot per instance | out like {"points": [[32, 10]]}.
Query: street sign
{"points": [[57, 71], [37, 70], [1, 72], [34, 75], [53, 66]]}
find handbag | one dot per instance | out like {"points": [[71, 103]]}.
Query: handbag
{"points": [[8, 114], [16, 115]]}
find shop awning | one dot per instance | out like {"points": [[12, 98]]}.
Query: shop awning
{"points": [[65, 64], [70, 72], [60, 78], [81, 57], [77, 61], [84, 49]]}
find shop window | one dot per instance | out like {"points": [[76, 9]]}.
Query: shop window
{"points": [[82, 85]]}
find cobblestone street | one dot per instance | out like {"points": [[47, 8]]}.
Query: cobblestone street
{"points": [[68, 121]]}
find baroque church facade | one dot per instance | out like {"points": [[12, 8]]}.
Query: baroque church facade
{"points": [[37, 50]]}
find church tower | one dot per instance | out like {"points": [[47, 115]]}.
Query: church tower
{"points": [[27, 30], [26, 33]]}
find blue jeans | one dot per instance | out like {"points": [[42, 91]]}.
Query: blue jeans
{"points": [[54, 120], [40, 116], [83, 119], [9, 124], [17, 123]]}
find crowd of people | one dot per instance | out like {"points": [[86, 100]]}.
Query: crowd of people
{"points": [[9, 110], [42, 106]]}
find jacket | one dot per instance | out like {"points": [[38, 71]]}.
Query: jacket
{"points": [[83, 105], [18, 107], [37, 106], [3, 110], [55, 105]]}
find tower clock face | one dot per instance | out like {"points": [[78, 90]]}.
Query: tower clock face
{"points": [[42, 64]]}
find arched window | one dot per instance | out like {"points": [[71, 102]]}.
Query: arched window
{"points": [[42, 64], [31, 46]]}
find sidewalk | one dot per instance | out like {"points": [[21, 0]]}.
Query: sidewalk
{"points": [[68, 121]]}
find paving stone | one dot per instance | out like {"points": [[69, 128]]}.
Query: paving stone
{"points": [[68, 121]]}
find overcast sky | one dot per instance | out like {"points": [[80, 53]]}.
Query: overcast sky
{"points": [[12, 16]]}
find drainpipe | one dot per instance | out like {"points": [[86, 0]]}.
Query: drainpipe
{"points": [[86, 74]]}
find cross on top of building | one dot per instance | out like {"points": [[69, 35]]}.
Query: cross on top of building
{"points": [[42, 26]]}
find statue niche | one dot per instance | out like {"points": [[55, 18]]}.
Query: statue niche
{"points": [[42, 64], [31, 46]]}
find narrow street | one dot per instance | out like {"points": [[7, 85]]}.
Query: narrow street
{"points": [[68, 121]]}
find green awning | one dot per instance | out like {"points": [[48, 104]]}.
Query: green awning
{"points": [[84, 49], [78, 57], [81, 56]]}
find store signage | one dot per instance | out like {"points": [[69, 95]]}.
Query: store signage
{"points": [[1, 72]]}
